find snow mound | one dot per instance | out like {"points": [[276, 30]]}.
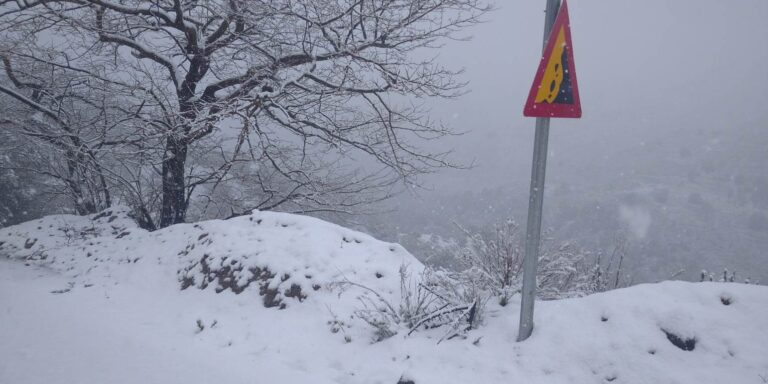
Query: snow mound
{"points": [[286, 256], [276, 254], [670, 332], [100, 300], [41, 240]]}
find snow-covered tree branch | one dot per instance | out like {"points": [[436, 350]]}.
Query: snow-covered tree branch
{"points": [[322, 80]]}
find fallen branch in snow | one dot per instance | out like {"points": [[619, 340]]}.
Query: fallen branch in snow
{"points": [[439, 313]]}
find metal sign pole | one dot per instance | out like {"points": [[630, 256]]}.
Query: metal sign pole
{"points": [[535, 202]]}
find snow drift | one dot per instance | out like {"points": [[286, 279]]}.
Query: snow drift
{"points": [[281, 255], [96, 300]]}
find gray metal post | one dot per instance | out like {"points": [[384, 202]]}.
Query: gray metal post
{"points": [[535, 203]]}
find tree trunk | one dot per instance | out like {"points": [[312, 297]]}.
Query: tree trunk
{"points": [[174, 206], [83, 204]]}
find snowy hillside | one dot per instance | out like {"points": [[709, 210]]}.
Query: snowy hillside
{"points": [[258, 299]]}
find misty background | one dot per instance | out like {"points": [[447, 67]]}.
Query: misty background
{"points": [[671, 150], [670, 153]]}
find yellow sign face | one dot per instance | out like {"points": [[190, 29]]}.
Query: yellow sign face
{"points": [[555, 91], [553, 75]]}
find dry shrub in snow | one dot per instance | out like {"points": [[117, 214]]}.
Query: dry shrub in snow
{"points": [[726, 277], [433, 299], [495, 261], [608, 272]]}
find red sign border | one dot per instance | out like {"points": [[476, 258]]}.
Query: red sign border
{"points": [[533, 109]]}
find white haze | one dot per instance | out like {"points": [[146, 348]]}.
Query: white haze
{"points": [[674, 116], [637, 220]]}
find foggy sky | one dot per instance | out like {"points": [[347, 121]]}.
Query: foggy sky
{"points": [[660, 81], [646, 70]]}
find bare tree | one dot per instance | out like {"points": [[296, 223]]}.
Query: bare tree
{"points": [[55, 132], [19, 188], [315, 80]]}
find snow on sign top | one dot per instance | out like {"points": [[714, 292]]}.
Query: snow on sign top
{"points": [[555, 91]]}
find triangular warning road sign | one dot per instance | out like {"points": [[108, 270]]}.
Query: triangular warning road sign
{"points": [[555, 91]]}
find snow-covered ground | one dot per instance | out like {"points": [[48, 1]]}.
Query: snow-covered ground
{"points": [[97, 300]]}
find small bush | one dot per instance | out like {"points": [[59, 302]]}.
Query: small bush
{"points": [[726, 277], [495, 260], [608, 271], [433, 300]]}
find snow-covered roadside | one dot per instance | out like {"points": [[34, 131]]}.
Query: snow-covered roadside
{"points": [[74, 319], [122, 334]]}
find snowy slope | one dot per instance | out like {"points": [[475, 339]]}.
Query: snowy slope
{"points": [[100, 301], [275, 250]]}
